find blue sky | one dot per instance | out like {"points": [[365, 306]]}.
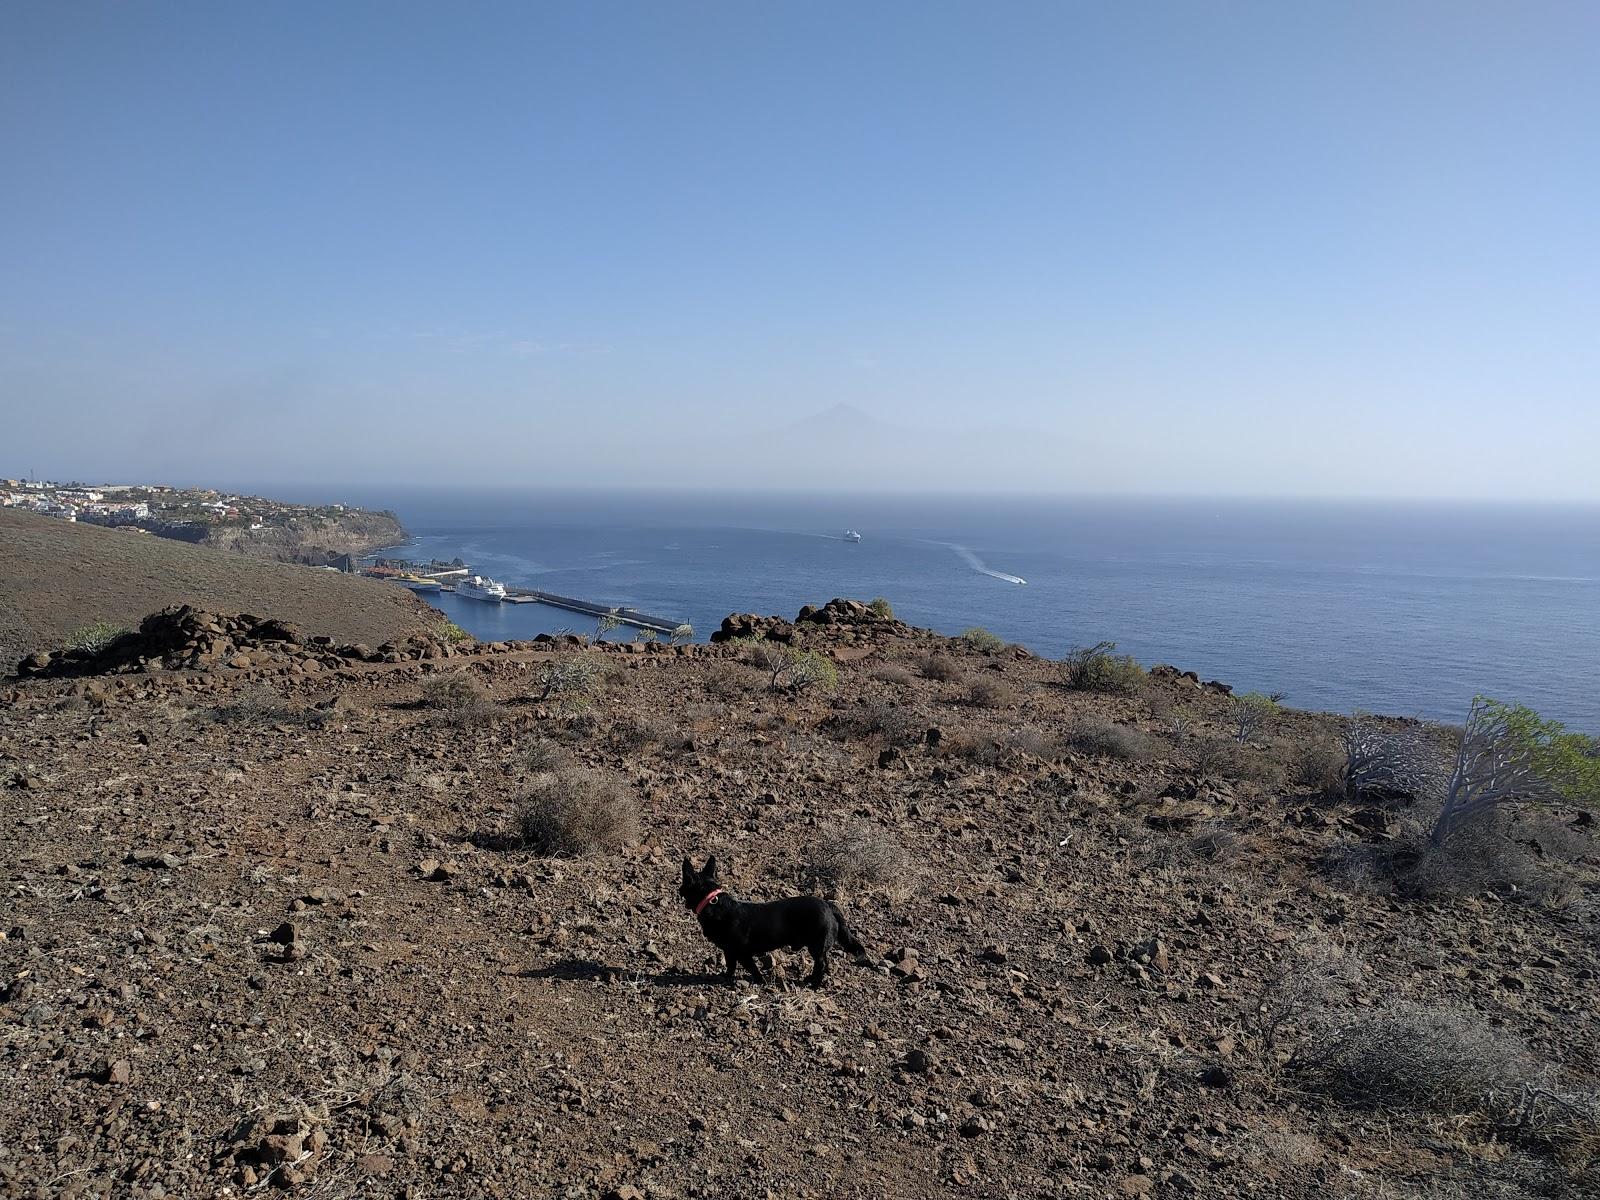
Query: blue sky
{"points": [[1310, 249]]}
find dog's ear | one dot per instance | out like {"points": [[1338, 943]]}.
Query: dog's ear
{"points": [[711, 868], [688, 871]]}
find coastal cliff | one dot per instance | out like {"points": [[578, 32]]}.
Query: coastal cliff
{"points": [[314, 537]]}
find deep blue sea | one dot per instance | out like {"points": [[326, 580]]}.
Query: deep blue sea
{"points": [[1396, 608]]}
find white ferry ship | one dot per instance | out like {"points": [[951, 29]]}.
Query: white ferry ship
{"points": [[850, 535], [481, 587]]}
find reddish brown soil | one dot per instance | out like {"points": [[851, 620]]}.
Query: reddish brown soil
{"points": [[449, 1018]]}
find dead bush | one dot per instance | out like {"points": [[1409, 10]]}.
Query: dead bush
{"points": [[1403, 1054], [1215, 843], [574, 810], [542, 754], [1486, 855], [991, 693], [634, 732], [895, 724], [255, 705], [1030, 739], [941, 668], [892, 673], [1106, 739], [1566, 1123], [725, 680], [1318, 767], [458, 700], [1314, 975], [855, 856]]}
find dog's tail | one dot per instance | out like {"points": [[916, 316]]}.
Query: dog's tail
{"points": [[841, 932]]}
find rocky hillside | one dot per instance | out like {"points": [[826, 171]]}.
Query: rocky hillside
{"points": [[274, 928], [57, 577]]}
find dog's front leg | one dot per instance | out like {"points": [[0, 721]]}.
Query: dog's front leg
{"points": [[733, 967], [755, 970]]}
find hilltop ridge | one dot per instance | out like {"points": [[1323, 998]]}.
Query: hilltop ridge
{"points": [[279, 928]]}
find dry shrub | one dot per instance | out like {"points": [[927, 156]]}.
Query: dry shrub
{"points": [[1409, 1055], [1106, 739], [1314, 975], [458, 700], [896, 724], [991, 693], [854, 856], [892, 673], [988, 749], [571, 676], [255, 705], [1565, 1123], [981, 640], [1485, 855], [1318, 767], [1215, 843], [542, 754], [725, 680], [635, 732], [941, 668], [574, 810]]}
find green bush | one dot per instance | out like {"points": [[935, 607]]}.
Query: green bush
{"points": [[95, 638], [882, 608], [1097, 668], [449, 632], [569, 676], [979, 638]]}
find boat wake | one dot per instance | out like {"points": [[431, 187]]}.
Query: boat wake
{"points": [[978, 565]]}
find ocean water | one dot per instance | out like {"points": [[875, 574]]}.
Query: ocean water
{"points": [[1397, 608]]}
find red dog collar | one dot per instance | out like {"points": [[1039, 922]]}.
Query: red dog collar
{"points": [[709, 897]]}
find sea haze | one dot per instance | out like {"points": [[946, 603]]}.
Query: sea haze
{"points": [[1395, 608]]}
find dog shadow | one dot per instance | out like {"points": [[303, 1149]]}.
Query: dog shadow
{"points": [[588, 970]]}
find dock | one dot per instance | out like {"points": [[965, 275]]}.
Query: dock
{"points": [[625, 616]]}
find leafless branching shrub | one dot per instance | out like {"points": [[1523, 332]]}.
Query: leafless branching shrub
{"points": [[854, 856], [895, 724], [1566, 1123], [1249, 713], [1386, 764], [1315, 974], [1408, 1055], [1485, 856], [1092, 735], [572, 811], [541, 754]]}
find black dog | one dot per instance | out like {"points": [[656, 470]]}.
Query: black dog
{"points": [[742, 931]]}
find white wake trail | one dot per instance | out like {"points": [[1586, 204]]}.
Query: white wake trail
{"points": [[978, 565]]}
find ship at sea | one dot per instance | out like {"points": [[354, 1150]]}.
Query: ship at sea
{"points": [[850, 535], [481, 587]]}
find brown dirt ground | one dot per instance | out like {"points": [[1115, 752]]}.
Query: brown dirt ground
{"points": [[59, 576], [490, 1023]]}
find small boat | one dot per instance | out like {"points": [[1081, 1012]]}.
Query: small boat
{"points": [[850, 535], [418, 583], [481, 587]]}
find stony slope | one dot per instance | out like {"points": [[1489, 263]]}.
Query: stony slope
{"points": [[58, 576], [278, 939]]}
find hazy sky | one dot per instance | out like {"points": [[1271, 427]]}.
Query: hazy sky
{"points": [[1272, 248]]}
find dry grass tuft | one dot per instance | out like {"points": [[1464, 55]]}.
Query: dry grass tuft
{"points": [[992, 693], [1105, 739], [458, 700], [573, 811], [941, 668], [854, 856]]}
